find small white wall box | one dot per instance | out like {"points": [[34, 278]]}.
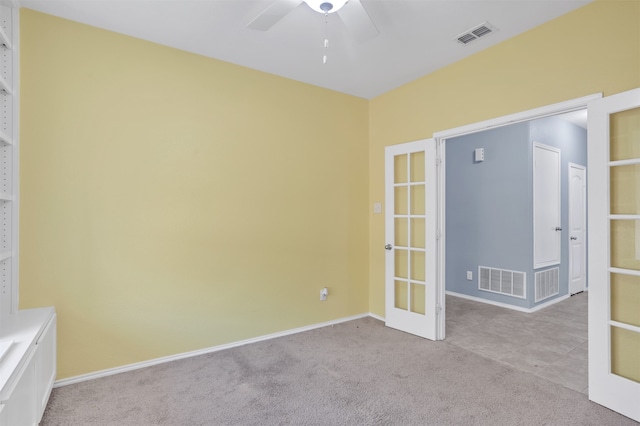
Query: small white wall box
{"points": [[479, 155]]}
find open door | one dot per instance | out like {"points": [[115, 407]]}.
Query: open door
{"points": [[614, 252], [577, 228], [410, 232]]}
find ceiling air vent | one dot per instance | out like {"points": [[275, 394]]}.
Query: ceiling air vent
{"points": [[475, 33]]}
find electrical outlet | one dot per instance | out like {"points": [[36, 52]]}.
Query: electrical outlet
{"points": [[469, 275], [324, 293]]}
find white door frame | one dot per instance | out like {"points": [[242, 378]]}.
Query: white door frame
{"points": [[441, 138], [584, 222]]}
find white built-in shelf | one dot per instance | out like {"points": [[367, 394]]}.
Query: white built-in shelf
{"points": [[5, 139], [4, 86], [4, 40], [4, 255], [5, 197]]}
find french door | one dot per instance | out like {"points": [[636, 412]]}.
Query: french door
{"points": [[410, 232], [614, 252]]}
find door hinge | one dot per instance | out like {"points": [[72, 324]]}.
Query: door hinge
{"points": [[438, 309], [438, 234], [438, 161]]}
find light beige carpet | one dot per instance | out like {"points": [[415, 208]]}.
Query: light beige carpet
{"points": [[356, 373]]}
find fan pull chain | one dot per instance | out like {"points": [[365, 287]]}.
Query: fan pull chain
{"points": [[326, 37]]}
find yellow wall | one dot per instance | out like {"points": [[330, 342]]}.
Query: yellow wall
{"points": [[593, 49], [171, 202]]}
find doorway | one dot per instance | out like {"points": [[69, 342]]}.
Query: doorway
{"points": [[443, 217], [541, 334], [507, 233]]}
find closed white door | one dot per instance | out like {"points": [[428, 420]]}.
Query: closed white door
{"points": [[410, 232], [547, 230], [577, 228], [614, 258]]}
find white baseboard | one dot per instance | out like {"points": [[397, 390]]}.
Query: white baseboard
{"points": [[550, 302], [156, 361], [506, 305], [378, 317]]}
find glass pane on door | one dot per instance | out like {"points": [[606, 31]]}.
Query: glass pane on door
{"points": [[400, 171], [624, 239], [417, 298], [624, 251], [625, 299], [625, 189], [417, 233], [401, 295], [624, 140], [625, 353], [417, 167], [402, 232]]}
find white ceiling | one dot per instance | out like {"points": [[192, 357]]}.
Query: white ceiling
{"points": [[414, 40]]}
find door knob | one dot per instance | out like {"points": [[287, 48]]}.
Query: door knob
{"points": [[388, 247], [574, 238], [558, 228]]}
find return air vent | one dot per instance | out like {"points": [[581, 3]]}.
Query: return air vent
{"points": [[503, 281], [547, 283], [475, 33]]}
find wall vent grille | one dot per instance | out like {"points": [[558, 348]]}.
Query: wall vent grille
{"points": [[475, 33], [547, 283], [502, 281]]}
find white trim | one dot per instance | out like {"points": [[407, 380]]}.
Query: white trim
{"points": [[10, 141], [532, 114], [4, 39], [506, 305], [375, 316], [184, 355], [5, 139], [441, 320], [629, 327], [629, 162], [624, 271], [624, 216], [15, 166]]}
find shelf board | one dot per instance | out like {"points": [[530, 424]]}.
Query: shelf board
{"points": [[4, 86], [5, 139], [4, 255], [5, 197], [4, 40]]}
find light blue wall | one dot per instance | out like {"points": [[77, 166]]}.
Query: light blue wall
{"points": [[489, 204], [488, 208]]}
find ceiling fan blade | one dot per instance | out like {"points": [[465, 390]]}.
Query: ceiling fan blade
{"points": [[272, 14], [357, 20]]}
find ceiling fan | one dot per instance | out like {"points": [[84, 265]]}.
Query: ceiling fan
{"points": [[351, 12]]}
